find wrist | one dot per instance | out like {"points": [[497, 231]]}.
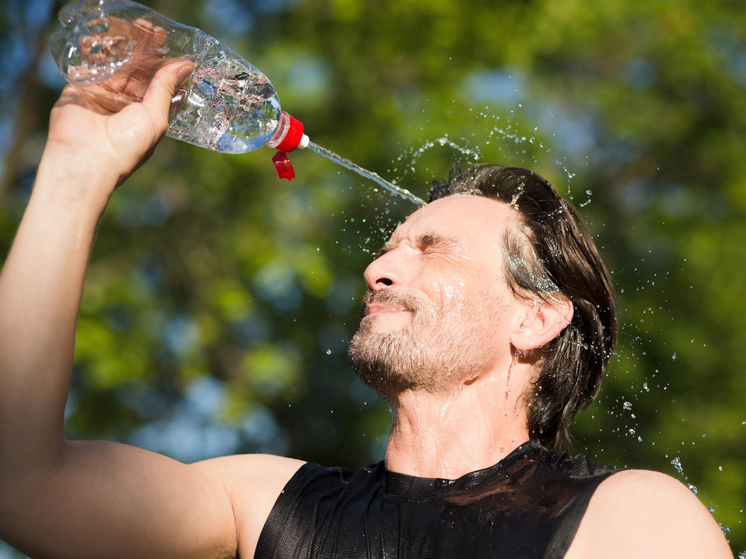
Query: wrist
{"points": [[73, 181]]}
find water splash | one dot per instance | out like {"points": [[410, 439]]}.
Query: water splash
{"points": [[505, 144], [347, 164], [470, 153], [676, 463]]}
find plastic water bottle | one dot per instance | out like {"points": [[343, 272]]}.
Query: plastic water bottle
{"points": [[112, 49]]}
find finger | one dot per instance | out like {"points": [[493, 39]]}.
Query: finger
{"points": [[163, 87], [159, 37], [143, 24], [152, 38], [152, 55], [108, 96]]}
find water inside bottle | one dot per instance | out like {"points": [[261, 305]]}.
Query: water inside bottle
{"points": [[229, 105]]}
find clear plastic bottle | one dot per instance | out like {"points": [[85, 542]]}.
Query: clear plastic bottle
{"points": [[112, 49]]}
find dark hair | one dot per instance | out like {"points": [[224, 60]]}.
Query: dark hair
{"points": [[553, 252]]}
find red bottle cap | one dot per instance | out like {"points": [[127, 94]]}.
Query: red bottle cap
{"points": [[289, 134], [283, 165]]}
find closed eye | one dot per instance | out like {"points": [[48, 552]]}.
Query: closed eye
{"points": [[429, 243], [426, 243]]}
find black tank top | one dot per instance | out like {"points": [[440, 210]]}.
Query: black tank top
{"points": [[528, 505]]}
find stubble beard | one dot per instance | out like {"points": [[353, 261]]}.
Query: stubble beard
{"points": [[436, 351]]}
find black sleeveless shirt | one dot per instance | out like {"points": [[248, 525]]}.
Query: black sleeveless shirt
{"points": [[526, 506]]}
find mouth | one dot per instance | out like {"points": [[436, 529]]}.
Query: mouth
{"points": [[380, 308], [387, 303]]}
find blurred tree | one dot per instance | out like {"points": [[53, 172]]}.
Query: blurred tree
{"points": [[219, 301]]}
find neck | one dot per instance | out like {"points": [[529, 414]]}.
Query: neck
{"points": [[447, 435]]}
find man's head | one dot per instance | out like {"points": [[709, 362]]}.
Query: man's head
{"points": [[452, 294]]}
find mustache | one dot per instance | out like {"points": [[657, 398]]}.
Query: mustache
{"points": [[386, 297]]}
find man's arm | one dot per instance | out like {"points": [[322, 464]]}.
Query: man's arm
{"points": [[644, 514], [96, 499]]}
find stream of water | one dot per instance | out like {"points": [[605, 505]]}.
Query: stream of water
{"points": [[391, 187]]}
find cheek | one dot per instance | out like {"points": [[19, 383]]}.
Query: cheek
{"points": [[460, 292], [455, 296], [445, 289]]}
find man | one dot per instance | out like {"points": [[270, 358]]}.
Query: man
{"points": [[467, 333]]}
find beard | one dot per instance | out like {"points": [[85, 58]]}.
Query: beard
{"points": [[440, 347]]}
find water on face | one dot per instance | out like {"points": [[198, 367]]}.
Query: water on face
{"points": [[229, 105]]}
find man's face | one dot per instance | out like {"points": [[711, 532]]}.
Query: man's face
{"points": [[437, 299]]}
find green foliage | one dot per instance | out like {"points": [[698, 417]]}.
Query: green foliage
{"points": [[208, 267]]}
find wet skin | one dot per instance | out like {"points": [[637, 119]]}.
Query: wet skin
{"points": [[439, 285], [446, 254]]}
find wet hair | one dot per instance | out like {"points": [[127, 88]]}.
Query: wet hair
{"points": [[551, 252]]}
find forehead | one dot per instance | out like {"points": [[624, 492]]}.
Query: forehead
{"points": [[472, 220]]}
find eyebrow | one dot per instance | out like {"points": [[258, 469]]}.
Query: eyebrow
{"points": [[423, 240]]}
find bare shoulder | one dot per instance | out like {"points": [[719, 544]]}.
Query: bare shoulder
{"points": [[641, 513], [253, 483]]}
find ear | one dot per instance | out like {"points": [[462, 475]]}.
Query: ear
{"points": [[540, 321]]}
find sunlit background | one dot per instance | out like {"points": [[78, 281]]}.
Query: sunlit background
{"points": [[220, 300]]}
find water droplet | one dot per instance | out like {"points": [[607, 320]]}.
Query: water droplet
{"points": [[673, 357], [328, 351], [627, 405]]}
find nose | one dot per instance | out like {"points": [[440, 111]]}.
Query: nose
{"points": [[389, 270]]}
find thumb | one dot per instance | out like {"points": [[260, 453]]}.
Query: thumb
{"points": [[163, 87]]}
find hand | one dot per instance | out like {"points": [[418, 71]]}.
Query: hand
{"points": [[97, 132]]}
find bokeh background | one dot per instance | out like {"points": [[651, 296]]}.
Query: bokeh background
{"points": [[219, 300]]}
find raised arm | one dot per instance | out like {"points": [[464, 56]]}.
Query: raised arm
{"points": [[90, 499]]}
